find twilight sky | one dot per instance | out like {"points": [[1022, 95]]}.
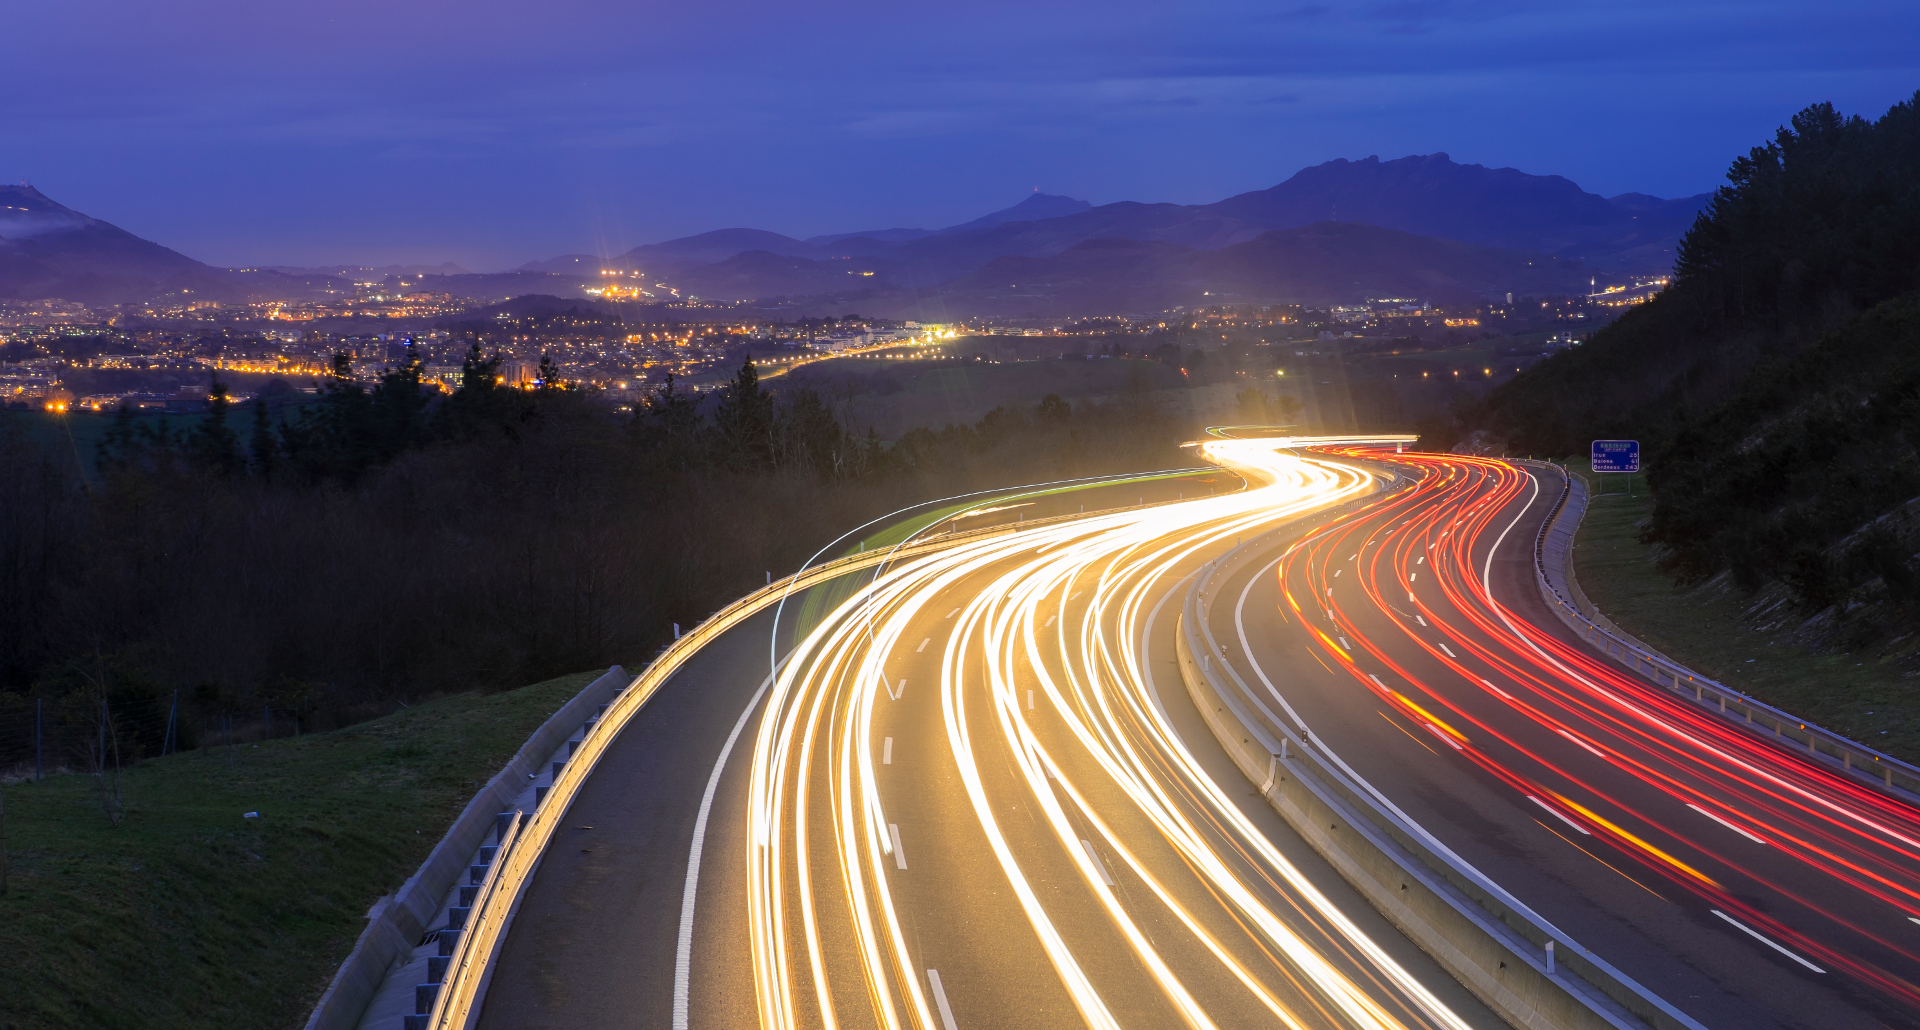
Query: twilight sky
{"points": [[491, 132]]}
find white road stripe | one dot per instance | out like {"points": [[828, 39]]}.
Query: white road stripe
{"points": [[1557, 815], [1337, 572], [1343, 643], [1050, 619], [1094, 856], [953, 613], [1422, 560], [1582, 743], [896, 690], [899, 856], [1076, 595], [1329, 591], [886, 753], [1411, 599], [1725, 823], [940, 999], [1419, 620], [683, 951], [1751, 932], [1029, 700], [923, 645], [1411, 576], [1450, 654]]}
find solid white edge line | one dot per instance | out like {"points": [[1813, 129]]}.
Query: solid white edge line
{"points": [[683, 949], [899, 856], [1725, 823], [1557, 815], [940, 999], [1756, 935], [1097, 864]]}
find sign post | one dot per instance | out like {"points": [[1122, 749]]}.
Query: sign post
{"points": [[1617, 456]]}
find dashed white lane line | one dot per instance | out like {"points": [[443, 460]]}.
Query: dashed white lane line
{"points": [[886, 752], [1094, 857], [899, 856], [1337, 572], [1076, 595], [896, 689], [953, 613], [1329, 591], [1557, 815], [1029, 700], [1419, 620], [1589, 747], [1050, 619], [1751, 932], [1411, 599], [1449, 652], [1343, 643], [923, 645], [1422, 560], [1725, 823], [1411, 576], [940, 999]]}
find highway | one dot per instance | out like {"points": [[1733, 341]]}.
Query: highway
{"points": [[977, 795], [1747, 885]]}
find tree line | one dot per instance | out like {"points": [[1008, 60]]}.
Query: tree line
{"points": [[387, 542]]}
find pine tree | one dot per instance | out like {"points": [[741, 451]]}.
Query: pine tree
{"points": [[265, 450]]}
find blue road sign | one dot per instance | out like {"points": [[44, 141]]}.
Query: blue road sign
{"points": [[1616, 455]]}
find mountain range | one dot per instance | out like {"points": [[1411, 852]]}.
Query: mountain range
{"points": [[1444, 228]]}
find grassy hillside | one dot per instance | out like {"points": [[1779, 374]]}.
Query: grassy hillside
{"points": [[188, 914]]}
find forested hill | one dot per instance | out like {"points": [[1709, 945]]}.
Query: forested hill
{"points": [[1776, 385]]}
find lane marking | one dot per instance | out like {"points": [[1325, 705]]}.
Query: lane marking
{"points": [[1410, 598], [953, 613], [1337, 572], [1582, 743], [1422, 560], [1497, 690], [1419, 620], [1557, 815], [1355, 556], [1725, 823], [923, 645], [1329, 591], [899, 856], [1450, 654], [1435, 730], [1094, 856], [886, 753], [1050, 619], [1751, 932], [896, 690], [940, 999], [1076, 595], [1343, 643], [683, 949], [1029, 700], [1411, 576]]}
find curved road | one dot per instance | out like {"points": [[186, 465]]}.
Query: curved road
{"points": [[976, 795], [1746, 885]]}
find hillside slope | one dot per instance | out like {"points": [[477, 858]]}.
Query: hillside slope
{"points": [[1776, 384]]}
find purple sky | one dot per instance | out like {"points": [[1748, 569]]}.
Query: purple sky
{"points": [[490, 132]]}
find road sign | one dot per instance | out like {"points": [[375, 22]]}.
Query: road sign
{"points": [[1616, 455]]}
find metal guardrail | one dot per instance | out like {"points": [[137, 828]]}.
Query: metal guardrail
{"points": [[456, 1006], [1530, 972], [1838, 752]]}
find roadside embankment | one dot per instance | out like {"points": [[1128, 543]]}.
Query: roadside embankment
{"points": [[191, 914], [1750, 642]]}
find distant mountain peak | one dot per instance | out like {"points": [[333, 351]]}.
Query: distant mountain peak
{"points": [[1036, 206]]}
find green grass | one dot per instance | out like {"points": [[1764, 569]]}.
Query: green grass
{"points": [[1867, 695], [187, 914]]}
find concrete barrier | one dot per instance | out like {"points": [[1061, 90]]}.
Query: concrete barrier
{"points": [[1526, 970], [397, 922]]}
